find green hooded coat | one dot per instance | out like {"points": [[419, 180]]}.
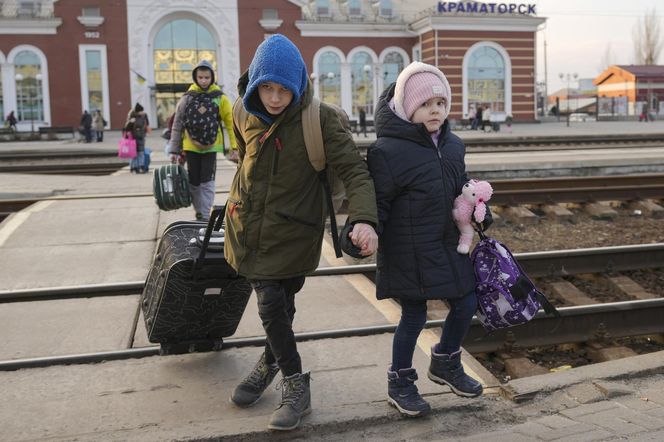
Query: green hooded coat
{"points": [[276, 212]]}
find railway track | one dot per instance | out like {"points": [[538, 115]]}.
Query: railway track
{"points": [[578, 323], [97, 162], [536, 264], [506, 191], [521, 144]]}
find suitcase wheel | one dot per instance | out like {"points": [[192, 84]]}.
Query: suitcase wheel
{"points": [[178, 348]]}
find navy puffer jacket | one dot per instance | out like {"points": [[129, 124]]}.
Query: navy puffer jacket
{"points": [[416, 184]]}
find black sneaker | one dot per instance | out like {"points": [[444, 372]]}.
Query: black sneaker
{"points": [[403, 394], [249, 391], [447, 370], [295, 402]]}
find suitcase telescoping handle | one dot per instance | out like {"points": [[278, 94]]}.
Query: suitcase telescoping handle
{"points": [[215, 222]]}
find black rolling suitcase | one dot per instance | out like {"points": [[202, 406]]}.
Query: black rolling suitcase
{"points": [[192, 298]]}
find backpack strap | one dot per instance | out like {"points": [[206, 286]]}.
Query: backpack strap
{"points": [[239, 115], [313, 140], [313, 135], [213, 94]]}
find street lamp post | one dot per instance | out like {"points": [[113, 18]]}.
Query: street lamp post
{"points": [[367, 71], [321, 79], [568, 77]]}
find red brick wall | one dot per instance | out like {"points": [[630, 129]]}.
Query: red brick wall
{"points": [[61, 51], [453, 45], [252, 34]]}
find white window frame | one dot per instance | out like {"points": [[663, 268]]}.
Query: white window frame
{"points": [[45, 88], [82, 49], [508, 74]]}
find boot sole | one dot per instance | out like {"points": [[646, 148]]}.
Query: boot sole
{"points": [[292, 427], [407, 413], [230, 399], [455, 390]]}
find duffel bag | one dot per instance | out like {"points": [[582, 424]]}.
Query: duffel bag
{"points": [[171, 187]]}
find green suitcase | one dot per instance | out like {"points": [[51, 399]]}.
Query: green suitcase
{"points": [[171, 187]]}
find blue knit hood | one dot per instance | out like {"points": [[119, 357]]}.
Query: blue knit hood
{"points": [[278, 60]]}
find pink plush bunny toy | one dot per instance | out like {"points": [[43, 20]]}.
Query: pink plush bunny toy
{"points": [[472, 201]]}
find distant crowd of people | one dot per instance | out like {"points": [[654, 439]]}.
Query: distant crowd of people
{"points": [[90, 123], [479, 116]]}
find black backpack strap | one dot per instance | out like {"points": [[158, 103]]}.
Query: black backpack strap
{"points": [[549, 309], [322, 175]]}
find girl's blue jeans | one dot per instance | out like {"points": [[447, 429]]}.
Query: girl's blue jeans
{"points": [[413, 317]]}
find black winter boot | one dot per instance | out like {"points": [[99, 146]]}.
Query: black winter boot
{"points": [[403, 395], [447, 370], [249, 391], [295, 402]]}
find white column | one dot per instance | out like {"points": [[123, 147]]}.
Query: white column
{"points": [[8, 88]]}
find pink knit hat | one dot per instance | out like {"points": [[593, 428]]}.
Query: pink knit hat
{"points": [[416, 84]]}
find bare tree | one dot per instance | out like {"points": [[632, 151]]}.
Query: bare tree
{"points": [[646, 37], [608, 58]]}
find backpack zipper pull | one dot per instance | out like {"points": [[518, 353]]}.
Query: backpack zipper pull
{"points": [[234, 205]]}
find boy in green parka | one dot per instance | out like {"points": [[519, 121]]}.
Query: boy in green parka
{"points": [[275, 216]]}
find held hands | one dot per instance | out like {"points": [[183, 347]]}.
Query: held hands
{"points": [[364, 236]]}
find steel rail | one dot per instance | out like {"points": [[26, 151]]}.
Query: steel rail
{"points": [[551, 142], [577, 195], [506, 191], [43, 154], [576, 324], [608, 181], [64, 169], [536, 264]]}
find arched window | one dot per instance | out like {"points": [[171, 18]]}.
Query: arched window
{"points": [[361, 71], [178, 47], [329, 78], [486, 78], [392, 65], [29, 97]]}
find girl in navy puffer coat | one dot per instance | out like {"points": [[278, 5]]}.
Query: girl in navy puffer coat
{"points": [[418, 169]]}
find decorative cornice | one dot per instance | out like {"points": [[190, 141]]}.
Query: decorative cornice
{"points": [[90, 22], [15, 26], [476, 23], [270, 24], [337, 29]]}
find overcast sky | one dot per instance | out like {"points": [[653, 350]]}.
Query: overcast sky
{"points": [[578, 31]]}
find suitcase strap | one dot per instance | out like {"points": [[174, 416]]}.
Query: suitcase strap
{"points": [[215, 222]]}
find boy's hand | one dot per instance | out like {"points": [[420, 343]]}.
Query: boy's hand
{"points": [[364, 236]]}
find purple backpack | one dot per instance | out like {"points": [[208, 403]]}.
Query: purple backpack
{"points": [[505, 295]]}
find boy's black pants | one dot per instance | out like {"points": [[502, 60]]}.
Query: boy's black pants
{"points": [[276, 308]]}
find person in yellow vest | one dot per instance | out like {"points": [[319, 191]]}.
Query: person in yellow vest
{"points": [[200, 115]]}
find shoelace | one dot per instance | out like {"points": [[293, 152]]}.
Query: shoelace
{"points": [[258, 376], [291, 390]]}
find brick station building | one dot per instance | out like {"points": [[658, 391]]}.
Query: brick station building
{"points": [[107, 55]]}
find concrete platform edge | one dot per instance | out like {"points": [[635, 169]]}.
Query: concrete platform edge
{"points": [[524, 389]]}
